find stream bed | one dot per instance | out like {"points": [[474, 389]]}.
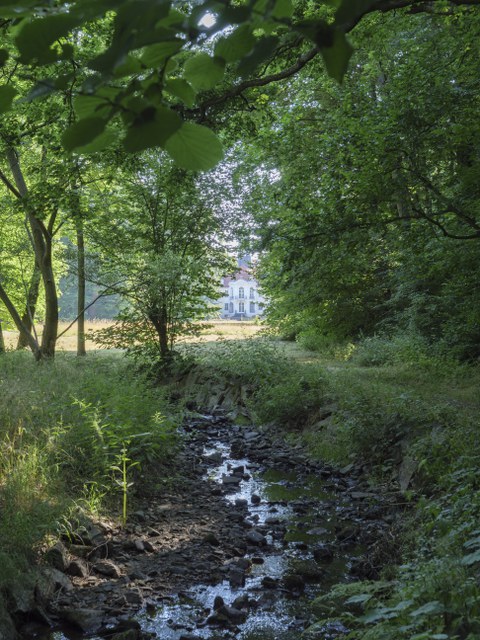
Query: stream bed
{"points": [[256, 531]]}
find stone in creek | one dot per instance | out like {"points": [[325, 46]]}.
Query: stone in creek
{"points": [[231, 479], [128, 634], [237, 616], [88, 620], [269, 583], [239, 470], [216, 457], [218, 603], [241, 602], [255, 499], [236, 577], [323, 552], [294, 582], [255, 537], [107, 568], [189, 636], [243, 563], [241, 502], [317, 531], [257, 560]]}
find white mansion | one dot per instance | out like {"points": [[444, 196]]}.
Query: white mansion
{"points": [[240, 298]]}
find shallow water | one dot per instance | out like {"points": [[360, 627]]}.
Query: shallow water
{"points": [[307, 507]]}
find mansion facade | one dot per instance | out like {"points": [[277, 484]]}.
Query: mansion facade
{"points": [[240, 298]]}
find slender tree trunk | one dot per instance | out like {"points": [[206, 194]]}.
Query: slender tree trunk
{"points": [[81, 350], [42, 244], [28, 317], [31, 341], [2, 339]]}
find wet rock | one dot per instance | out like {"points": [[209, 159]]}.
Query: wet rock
{"points": [[128, 634], [134, 597], [236, 577], [50, 582], [231, 480], [241, 502], [57, 556], [107, 568], [216, 457], [218, 603], [189, 636], [294, 582], [323, 552], [241, 602], [231, 614], [269, 583], [88, 620], [256, 538], [255, 499], [148, 546], [308, 570]]}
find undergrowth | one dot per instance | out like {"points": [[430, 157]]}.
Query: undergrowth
{"points": [[63, 428]]}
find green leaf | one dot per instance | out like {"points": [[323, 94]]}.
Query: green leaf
{"points": [[82, 133], [350, 10], [195, 147], [283, 9], [42, 89], [262, 50], [237, 45], [36, 37], [204, 72], [181, 89], [360, 598], [153, 132], [471, 558], [100, 143], [337, 56], [4, 55], [7, 94], [89, 105], [430, 608], [156, 54]]}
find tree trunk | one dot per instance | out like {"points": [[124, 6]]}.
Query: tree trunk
{"points": [[2, 340], [28, 317], [41, 237], [81, 350], [31, 341]]}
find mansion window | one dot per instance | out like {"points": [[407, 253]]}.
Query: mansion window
{"points": [[241, 307], [252, 293], [252, 307], [241, 292], [231, 307], [226, 306]]}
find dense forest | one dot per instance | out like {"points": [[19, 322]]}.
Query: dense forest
{"points": [[144, 143]]}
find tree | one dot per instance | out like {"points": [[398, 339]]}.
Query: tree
{"points": [[172, 257]]}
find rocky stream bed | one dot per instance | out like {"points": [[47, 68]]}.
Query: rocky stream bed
{"points": [[249, 535]]}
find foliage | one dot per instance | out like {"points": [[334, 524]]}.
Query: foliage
{"points": [[62, 432], [172, 259]]}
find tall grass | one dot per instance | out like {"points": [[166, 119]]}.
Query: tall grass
{"points": [[62, 426]]}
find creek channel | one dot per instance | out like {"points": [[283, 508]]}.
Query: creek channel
{"points": [[294, 527]]}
